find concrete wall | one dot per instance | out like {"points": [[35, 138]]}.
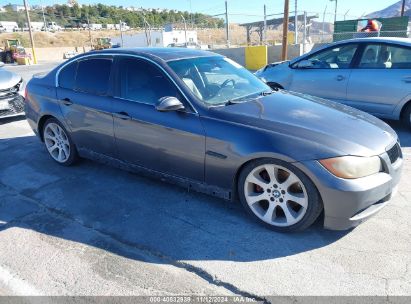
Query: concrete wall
{"points": [[54, 53], [274, 52], [236, 54]]}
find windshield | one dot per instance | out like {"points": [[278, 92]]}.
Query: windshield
{"points": [[217, 80]]}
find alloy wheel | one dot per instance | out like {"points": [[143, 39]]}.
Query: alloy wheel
{"points": [[276, 195], [57, 142]]}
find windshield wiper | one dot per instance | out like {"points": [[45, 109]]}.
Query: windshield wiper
{"points": [[234, 101]]}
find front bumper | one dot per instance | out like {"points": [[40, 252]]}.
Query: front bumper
{"points": [[349, 202], [11, 106]]}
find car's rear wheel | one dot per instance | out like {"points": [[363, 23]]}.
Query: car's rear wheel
{"points": [[279, 195], [406, 116], [58, 143]]}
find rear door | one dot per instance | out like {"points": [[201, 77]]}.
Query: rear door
{"points": [[382, 79], [170, 142], [328, 75], [84, 94]]}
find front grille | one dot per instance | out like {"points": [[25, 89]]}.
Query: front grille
{"points": [[394, 153], [12, 102]]}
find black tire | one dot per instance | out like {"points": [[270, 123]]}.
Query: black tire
{"points": [[314, 206], [8, 57], [73, 155], [406, 116]]}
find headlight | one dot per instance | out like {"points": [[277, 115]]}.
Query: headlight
{"points": [[352, 166]]}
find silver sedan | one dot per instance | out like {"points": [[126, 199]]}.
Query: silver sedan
{"points": [[370, 74]]}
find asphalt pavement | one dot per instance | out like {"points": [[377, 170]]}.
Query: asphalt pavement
{"points": [[95, 230]]}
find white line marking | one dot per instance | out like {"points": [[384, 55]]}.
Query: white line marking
{"points": [[17, 285]]}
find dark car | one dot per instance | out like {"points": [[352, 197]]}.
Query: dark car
{"points": [[200, 120]]}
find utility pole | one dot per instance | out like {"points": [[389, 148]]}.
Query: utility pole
{"points": [[30, 31], [44, 18], [325, 11], [265, 25], [227, 29], [185, 30], [403, 8], [335, 14], [121, 33], [305, 32], [285, 29], [89, 32], [296, 22]]}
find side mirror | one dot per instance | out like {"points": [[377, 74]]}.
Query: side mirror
{"points": [[305, 64], [169, 103], [1, 64]]}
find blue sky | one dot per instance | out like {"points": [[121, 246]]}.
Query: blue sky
{"points": [[245, 10]]}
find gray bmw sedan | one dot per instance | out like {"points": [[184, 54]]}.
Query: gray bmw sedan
{"points": [[202, 121]]}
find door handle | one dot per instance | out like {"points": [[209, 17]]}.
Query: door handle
{"points": [[67, 101], [122, 115], [340, 77], [407, 79]]}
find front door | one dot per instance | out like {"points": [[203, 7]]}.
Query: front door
{"points": [[328, 74], [168, 142], [381, 80]]}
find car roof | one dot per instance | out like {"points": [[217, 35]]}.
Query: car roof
{"points": [[166, 54], [396, 40], [393, 40]]}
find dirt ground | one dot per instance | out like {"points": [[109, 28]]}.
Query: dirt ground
{"points": [[82, 38]]}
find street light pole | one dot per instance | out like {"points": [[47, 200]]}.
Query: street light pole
{"points": [[227, 28], [296, 22], [285, 29], [185, 30], [44, 17], [30, 31], [335, 14], [403, 8]]}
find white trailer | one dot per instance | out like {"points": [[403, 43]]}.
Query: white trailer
{"points": [[110, 26], [159, 39], [35, 26], [122, 26], [8, 26]]}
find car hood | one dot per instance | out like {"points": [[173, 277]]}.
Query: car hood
{"points": [[329, 129], [8, 79]]}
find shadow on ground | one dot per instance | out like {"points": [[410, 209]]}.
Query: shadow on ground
{"points": [[125, 209]]}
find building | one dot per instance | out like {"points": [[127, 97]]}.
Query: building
{"points": [[158, 39], [8, 26], [18, 8]]}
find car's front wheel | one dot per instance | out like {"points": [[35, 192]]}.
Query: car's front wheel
{"points": [[58, 143], [279, 195]]}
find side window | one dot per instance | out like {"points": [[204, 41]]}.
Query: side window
{"points": [[142, 81], [67, 76], [382, 56], [335, 58], [93, 75], [375, 56]]}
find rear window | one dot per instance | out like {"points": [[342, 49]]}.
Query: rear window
{"points": [[93, 76], [67, 76]]}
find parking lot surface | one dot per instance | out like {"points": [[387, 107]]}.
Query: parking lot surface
{"points": [[95, 230]]}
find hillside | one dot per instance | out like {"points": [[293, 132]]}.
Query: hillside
{"points": [[393, 10], [75, 16]]}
